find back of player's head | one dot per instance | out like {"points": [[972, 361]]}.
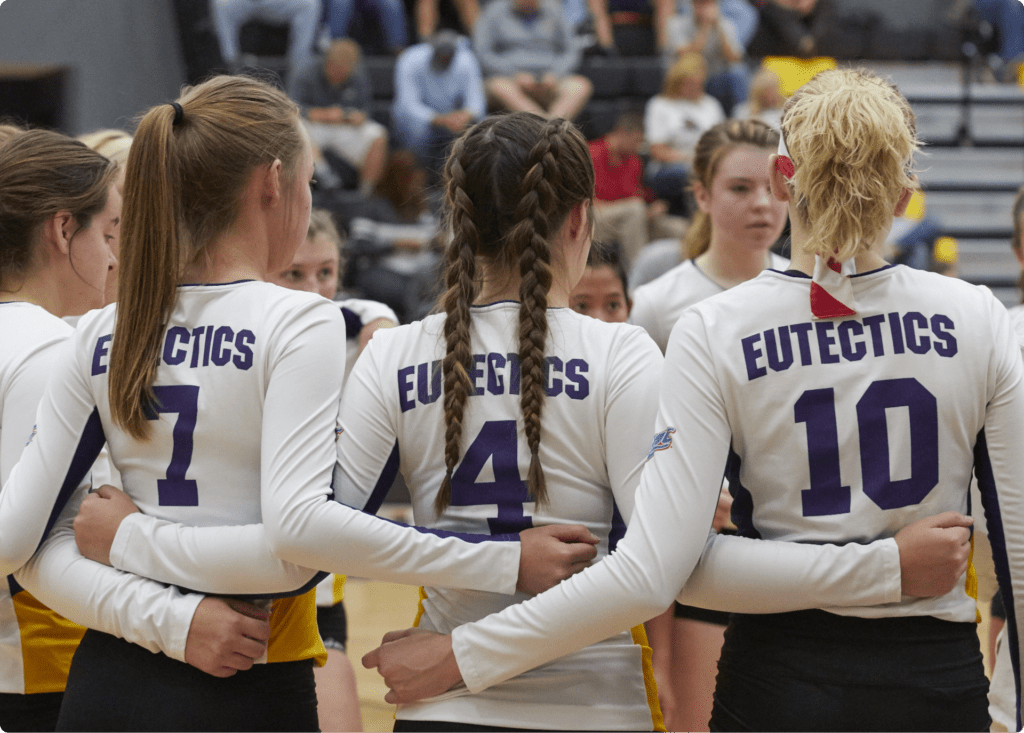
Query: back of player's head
{"points": [[852, 137], [510, 183], [187, 171], [9, 130], [708, 153], [113, 144], [41, 174]]}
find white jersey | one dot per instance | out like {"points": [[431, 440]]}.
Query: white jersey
{"points": [[36, 644], [602, 382], [658, 304], [357, 314], [836, 431], [248, 386]]}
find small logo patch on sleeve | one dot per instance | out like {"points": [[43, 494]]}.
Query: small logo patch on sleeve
{"points": [[662, 441], [35, 429]]}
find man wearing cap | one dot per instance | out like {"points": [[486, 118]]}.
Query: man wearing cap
{"points": [[439, 92]]}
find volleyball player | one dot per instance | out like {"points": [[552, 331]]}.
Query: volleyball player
{"points": [[846, 407], [217, 394]]}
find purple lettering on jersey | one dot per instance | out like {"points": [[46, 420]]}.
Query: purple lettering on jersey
{"points": [[513, 373], [196, 334], [915, 342], [802, 330], [176, 490], [553, 385], [897, 333], [780, 358], [948, 347], [221, 355], [405, 388], [477, 373], [206, 345], [579, 387], [852, 351], [751, 354], [172, 354], [102, 347], [426, 396], [827, 495], [874, 323], [495, 379], [826, 340], [244, 339]]}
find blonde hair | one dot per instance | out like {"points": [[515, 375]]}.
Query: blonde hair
{"points": [[320, 222], [113, 144], [852, 138], [764, 81], [183, 188], [688, 65], [708, 153]]}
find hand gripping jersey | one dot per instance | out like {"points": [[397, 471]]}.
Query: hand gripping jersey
{"points": [[36, 644], [658, 304], [835, 431], [602, 379]]}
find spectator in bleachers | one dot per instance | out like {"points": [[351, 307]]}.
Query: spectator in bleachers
{"points": [[439, 92], [302, 17], [334, 93], [428, 16], [793, 28], [706, 31], [528, 57], [740, 13], [1008, 17], [673, 122], [764, 101], [390, 14], [621, 213]]}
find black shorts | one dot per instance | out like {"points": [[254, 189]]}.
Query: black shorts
{"points": [[115, 685], [441, 726], [719, 618], [813, 670], [333, 625], [29, 712]]}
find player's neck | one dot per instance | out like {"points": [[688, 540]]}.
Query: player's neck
{"points": [[43, 287], [496, 288], [731, 266], [235, 255], [869, 259]]}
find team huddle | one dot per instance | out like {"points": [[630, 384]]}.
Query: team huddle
{"points": [[847, 403]]}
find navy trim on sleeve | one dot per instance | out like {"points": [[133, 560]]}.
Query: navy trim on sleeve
{"points": [[742, 501], [353, 323], [387, 478], [994, 522], [89, 447], [618, 530]]}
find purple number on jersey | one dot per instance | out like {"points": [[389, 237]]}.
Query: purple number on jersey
{"points": [[498, 441], [827, 495], [176, 490]]}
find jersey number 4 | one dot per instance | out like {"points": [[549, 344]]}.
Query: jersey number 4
{"points": [[498, 442], [176, 490], [816, 408]]}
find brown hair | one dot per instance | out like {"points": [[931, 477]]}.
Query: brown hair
{"points": [[403, 185], [9, 131], [1018, 231], [852, 138], [183, 188], [711, 149], [510, 183], [41, 174], [320, 222]]}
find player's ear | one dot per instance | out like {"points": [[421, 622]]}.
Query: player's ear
{"points": [[702, 196], [903, 202]]}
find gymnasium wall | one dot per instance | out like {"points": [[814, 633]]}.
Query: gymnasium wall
{"points": [[123, 55]]}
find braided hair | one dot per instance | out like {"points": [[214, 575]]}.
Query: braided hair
{"points": [[510, 183]]}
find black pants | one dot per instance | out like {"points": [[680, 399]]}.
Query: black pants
{"points": [[115, 685], [437, 726], [813, 670], [29, 712]]}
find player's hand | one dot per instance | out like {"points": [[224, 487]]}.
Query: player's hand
{"points": [[415, 664], [550, 554], [355, 117], [934, 553], [98, 519], [226, 635], [723, 512]]}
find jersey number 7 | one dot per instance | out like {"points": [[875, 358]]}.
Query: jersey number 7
{"points": [[176, 490], [816, 408]]}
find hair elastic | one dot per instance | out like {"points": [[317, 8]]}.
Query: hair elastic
{"points": [[179, 114], [784, 162]]}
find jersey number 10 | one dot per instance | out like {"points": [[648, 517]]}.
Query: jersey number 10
{"points": [[816, 408]]}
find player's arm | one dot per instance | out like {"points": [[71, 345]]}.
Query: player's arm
{"points": [[61, 448]]}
